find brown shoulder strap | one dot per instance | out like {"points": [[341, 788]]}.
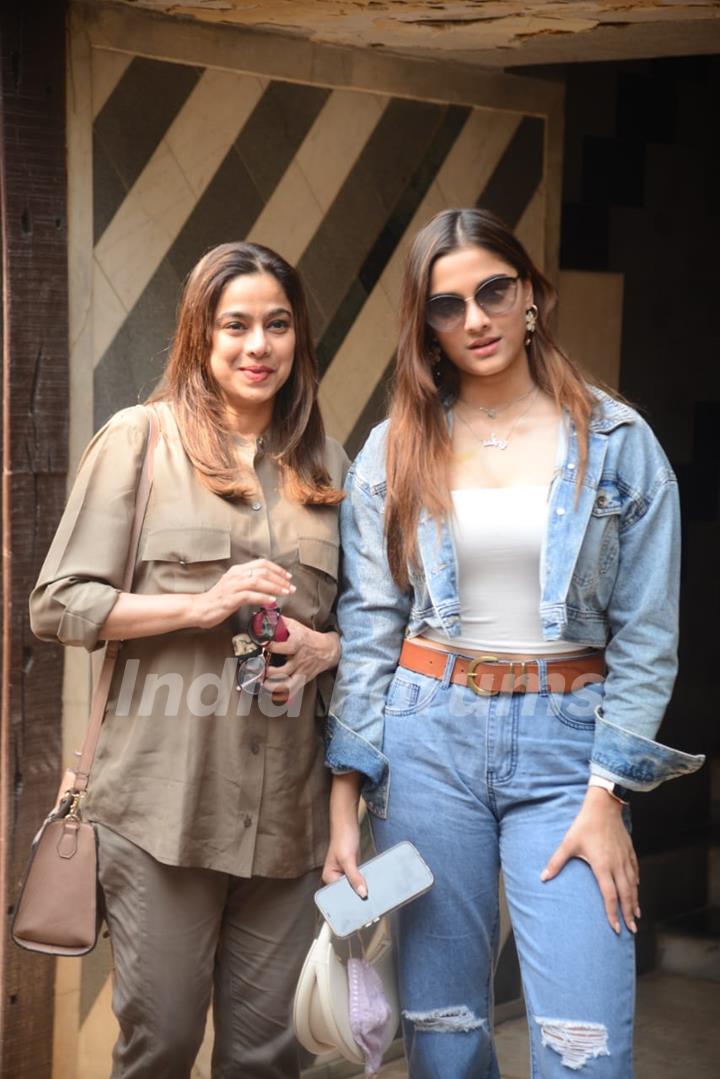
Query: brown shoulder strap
{"points": [[102, 689]]}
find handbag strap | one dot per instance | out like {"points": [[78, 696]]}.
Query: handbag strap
{"points": [[112, 648]]}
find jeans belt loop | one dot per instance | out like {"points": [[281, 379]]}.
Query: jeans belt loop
{"points": [[449, 665]]}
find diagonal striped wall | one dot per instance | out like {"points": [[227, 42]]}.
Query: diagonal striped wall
{"points": [[336, 180]]}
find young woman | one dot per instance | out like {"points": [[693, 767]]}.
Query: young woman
{"points": [[210, 799], [510, 536]]}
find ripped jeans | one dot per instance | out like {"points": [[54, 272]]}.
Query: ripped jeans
{"points": [[479, 784]]}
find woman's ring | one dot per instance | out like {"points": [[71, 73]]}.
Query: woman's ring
{"points": [[251, 573]]}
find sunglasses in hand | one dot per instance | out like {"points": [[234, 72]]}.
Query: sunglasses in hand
{"points": [[251, 647]]}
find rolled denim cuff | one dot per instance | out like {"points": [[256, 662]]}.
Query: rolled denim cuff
{"points": [[347, 751], [634, 761]]}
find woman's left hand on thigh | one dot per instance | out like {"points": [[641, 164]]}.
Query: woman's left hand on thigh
{"points": [[308, 652], [598, 835]]}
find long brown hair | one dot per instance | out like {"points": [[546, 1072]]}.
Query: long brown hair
{"points": [[297, 435], [421, 391]]}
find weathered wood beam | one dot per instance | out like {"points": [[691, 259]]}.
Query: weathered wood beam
{"points": [[34, 447]]}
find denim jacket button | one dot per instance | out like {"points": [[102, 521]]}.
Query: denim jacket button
{"points": [[571, 466], [601, 501], [560, 511]]}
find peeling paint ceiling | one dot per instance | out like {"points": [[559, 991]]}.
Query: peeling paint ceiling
{"points": [[489, 33]]}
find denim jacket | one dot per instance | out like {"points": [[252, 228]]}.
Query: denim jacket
{"points": [[609, 572]]}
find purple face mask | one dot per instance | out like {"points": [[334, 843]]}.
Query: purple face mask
{"points": [[368, 1012]]}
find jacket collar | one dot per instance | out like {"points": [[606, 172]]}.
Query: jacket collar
{"points": [[609, 414]]}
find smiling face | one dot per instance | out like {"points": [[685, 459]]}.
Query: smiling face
{"points": [[481, 345], [253, 344]]}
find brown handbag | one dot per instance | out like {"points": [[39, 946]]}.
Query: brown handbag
{"points": [[57, 910]]}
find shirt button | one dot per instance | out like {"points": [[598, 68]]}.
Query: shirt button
{"points": [[248, 821], [571, 466], [560, 511], [260, 443], [256, 506], [254, 748]]}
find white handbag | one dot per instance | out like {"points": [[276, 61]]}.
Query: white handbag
{"points": [[320, 1011]]}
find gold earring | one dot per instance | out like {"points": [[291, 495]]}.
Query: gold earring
{"points": [[531, 317]]}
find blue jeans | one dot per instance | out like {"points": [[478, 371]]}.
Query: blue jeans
{"points": [[479, 784]]}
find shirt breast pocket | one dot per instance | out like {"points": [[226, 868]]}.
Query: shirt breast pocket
{"points": [[318, 560], [597, 562], [185, 560]]}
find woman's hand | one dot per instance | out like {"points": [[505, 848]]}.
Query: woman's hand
{"points": [[308, 652], [257, 583], [598, 835], [344, 848]]}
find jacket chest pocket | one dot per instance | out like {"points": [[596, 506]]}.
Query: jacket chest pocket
{"points": [[598, 558], [318, 559], [185, 560]]}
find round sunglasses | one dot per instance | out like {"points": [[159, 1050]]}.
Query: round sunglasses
{"points": [[446, 311], [251, 647]]}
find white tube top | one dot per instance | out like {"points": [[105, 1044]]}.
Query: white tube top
{"points": [[498, 534]]}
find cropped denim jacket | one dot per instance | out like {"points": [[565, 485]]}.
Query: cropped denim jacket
{"points": [[609, 572]]}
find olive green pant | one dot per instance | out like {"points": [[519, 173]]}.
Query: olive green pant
{"points": [[180, 934]]}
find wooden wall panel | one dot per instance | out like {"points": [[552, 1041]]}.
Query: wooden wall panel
{"points": [[35, 399]]}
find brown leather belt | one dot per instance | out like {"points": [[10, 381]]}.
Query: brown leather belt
{"points": [[490, 675]]}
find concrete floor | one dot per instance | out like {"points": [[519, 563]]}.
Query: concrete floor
{"points": [[677, 1033]]}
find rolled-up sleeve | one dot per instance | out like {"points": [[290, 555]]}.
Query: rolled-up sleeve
{"points": [[641, 655], [81, 577]]}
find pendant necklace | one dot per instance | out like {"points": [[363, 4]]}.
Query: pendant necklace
{"points": [[491, 413], [493, 442]]}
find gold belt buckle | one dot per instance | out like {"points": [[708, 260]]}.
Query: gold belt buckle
{"points": [[478, 690], [518, 682]]}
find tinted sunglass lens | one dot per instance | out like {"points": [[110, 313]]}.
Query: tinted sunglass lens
{"points": [[445, 312], [263, 623], [496, 297]]}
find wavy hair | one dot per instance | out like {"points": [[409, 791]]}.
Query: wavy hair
{"points": [[297, 435], [420, 396]]}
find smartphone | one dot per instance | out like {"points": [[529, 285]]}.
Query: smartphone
{"points": [[393, 878]]}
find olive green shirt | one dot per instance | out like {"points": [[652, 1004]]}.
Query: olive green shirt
{"points": [[189, 768]]}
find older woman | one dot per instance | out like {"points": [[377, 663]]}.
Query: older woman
{"points": [[208, 790]]}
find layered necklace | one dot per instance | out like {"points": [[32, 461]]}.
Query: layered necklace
{"points": [[493, 442], [491, 413]]}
